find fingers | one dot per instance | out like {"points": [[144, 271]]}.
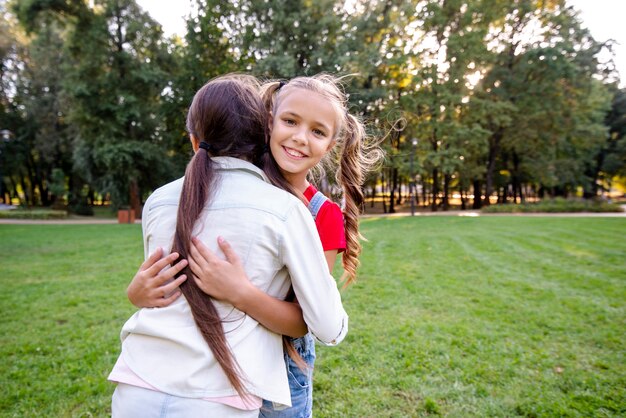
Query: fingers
{"points": [[161, 264], [201, 250], [168, 300], [228, 251], [196, 261], [173, 285], [201, 285], [194, 266], [153, 258], [168, 274], [194, 253]]}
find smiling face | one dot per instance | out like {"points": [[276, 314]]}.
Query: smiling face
{"points": [[302, 132]]}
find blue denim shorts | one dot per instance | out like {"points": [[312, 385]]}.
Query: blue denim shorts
{"points": [[300, 383]]}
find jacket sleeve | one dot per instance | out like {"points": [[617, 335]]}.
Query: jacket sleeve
{"points": [[313, 284], [146, 226]]}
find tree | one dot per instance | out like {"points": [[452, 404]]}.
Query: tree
{"points": [[612, 157], [543, 71], [451, 52], [33, 109], [285, 38], [116, 88], [208, 50]]}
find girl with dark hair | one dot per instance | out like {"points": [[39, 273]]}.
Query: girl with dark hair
{"points": [[200, 356]]}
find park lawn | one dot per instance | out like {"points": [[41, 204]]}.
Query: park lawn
{"points": [[452, 316]]}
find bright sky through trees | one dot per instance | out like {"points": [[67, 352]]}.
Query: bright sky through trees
{"points": [[601, 17], [506, 98]]}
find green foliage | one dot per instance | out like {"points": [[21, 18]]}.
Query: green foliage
{"points": [[81, 207], [290, 38], [120, 78], [557, 205], [613, 155], [57, 183], [556, 108], [36, 110], [33, 214], [503, 96]]}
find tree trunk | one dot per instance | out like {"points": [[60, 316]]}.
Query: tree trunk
{"points": [[43, 192], [3, 191], [515, 179], [463, 199], [135, 202], [435, 190], [591, 190], [383, 190], [477, 195], [26, 200], [30, 195], [415, 194], [392, 189], [15, 193], [494, 150], [446, 195]]}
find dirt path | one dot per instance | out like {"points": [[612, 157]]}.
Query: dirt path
{"points": [[469, 213]]}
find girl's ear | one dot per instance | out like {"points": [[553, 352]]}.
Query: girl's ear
{"points": [[195, 144]]}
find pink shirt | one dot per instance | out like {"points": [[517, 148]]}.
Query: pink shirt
{"points": [[123, 374]]}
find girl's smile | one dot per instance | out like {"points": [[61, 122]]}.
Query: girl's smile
{"points": [[294, 153]]}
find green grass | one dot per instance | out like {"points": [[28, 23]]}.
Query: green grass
{"points": [[62, 303], [452, 316]]}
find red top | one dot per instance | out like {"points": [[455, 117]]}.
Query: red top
{"points": [[329, 223]]}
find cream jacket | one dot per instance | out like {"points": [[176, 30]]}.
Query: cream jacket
{"points": [[275, 237]]}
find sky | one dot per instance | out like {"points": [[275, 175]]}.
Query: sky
{"points": [[602, 17]]}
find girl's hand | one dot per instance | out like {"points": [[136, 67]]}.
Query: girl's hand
{"points": [[224, 280], [154, 285], [227, 280]]}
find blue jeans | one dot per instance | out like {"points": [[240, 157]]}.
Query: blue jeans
{"points": [[300, 383]]}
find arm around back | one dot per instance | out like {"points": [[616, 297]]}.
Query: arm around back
{"points": [[312, 282]]}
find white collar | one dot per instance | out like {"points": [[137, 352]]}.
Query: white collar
{"points": [[232, 163]]}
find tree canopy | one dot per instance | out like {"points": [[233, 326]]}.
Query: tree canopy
{"points": [[505, 99]]}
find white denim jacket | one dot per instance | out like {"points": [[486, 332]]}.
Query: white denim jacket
{"points": [[275, 237]]}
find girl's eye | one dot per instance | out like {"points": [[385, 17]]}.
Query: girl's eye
{"points": [[319, 132], [290, 121]]}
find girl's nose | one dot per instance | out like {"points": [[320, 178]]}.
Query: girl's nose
{"points": [[300, 136]]}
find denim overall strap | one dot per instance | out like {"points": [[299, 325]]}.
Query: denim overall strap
{"points": [[316, 203]]}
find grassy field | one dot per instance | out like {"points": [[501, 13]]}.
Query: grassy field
{"points": [[458, 317]]}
